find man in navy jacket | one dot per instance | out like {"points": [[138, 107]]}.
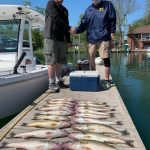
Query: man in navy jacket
{"points": [[100, 23]]}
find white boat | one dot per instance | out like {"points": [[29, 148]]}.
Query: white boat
{"points": [[20, 84]]}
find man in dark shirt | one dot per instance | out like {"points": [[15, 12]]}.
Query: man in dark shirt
{"points": [[100, 23], [57, 39]]}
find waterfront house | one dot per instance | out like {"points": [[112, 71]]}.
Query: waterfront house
{"points": [[139, 38]]}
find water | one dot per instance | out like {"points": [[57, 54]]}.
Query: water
{"points": [[131, 73], [4, 121]]}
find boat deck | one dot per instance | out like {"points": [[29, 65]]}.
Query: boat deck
{"points": [[111, 97]]}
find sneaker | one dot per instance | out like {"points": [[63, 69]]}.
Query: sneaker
{"points": [[112, 83], [54, 88], [62, 85], [106, 85]]}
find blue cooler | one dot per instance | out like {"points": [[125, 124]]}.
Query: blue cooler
{"points": [[85, 81]]}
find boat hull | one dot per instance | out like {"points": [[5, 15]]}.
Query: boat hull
{"points": [[17, 95]]}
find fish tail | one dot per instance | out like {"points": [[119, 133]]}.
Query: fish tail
{"points": [[113, 109], [35, 118], [37, 114], [24, 124], [112, 115], [12, 135], [125, 132], [119, 123], [130, 144], [104, 103], [3, 145]]}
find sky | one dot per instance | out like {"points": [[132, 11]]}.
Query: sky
{"points": [[77, 7]]}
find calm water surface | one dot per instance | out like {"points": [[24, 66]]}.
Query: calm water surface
{"points": [[131, 73]]}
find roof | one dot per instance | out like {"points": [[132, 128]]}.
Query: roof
{"points": [[143, 29], [10, 10]]}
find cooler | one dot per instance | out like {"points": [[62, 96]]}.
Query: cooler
{"points": [[85, 81]]}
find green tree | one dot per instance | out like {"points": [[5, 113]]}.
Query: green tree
{"points": [[40, 10], [123, 9], [38, 39], [144, 21], [27, 3]]}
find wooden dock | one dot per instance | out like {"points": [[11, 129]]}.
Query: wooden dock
{"points": [[111, 97]]}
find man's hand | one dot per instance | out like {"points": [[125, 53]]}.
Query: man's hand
{"points": [[69, 45], [73, 30], [112, 36]]}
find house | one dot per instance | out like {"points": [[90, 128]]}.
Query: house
{"points": [[139, 38]]}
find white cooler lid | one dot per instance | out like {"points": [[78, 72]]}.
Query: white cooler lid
{"points": [[84, 74]]}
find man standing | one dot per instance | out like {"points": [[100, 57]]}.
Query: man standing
{"points": [[57, 38], [100, 22]]}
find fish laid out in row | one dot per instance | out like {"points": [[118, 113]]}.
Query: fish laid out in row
{"points": [[51, 117], [99, 138], [88, 120], [87, 145], [95, 121], [76, 145], [49, 124], [42, 134], [98, 128], [33, 145], [58, 113]]}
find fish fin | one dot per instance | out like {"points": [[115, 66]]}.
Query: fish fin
{"points": [[12, 135], [104, 103], [24, 124], [119, 123], [35, 118], [125, 132], [3, 145], [112, 115], [130, 143], [113, 109], [37, 114]]}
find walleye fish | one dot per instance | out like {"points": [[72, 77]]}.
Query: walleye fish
{"points": [[61, 105], [62, 99], [99, 138], [91, 102], [42, 134], [91, 116], [57, 113], [92, 105], [98, 128], [56, 109], [34, 145], [50, 117], [85, 111], [49, 124], [87, 145], [95, 109], [95, 121], [61, 102]]}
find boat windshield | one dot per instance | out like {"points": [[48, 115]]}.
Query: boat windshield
{"points": [[9, 35]]}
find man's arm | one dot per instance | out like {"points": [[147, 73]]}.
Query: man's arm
{"points": [[84, 23], [67, 33], [112, 19]]}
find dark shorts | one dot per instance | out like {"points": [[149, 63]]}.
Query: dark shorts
{"points": [[54, 52]]}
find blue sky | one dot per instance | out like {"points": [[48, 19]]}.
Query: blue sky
{"points": [[77, 7]]}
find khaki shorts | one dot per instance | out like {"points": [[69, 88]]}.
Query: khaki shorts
{"points": [[54, 52], [102, 47], [104, 51]]}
